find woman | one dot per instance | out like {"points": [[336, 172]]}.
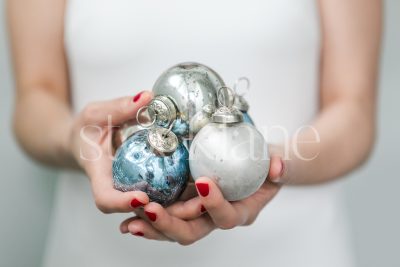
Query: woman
{"points": [[313, 67]]}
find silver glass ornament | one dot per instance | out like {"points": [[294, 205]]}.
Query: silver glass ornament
{"points": [[153, 161], [240, 102], [187, 93], [232, 152]]}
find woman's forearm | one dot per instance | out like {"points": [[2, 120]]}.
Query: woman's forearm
{"points": [[339, 140], [343, 133], [42, 124]]}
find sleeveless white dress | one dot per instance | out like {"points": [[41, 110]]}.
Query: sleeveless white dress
{"points": [[120, 47]]}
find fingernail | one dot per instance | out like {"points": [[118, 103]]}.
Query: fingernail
{"points": [[203, 189], [138, 234], [137, 97], [151, 215], [202, 209], [136, 203]]}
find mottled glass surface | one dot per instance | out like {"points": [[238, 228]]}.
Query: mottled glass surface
{"points": [[136, 167], [247, 118], [180, 128]]}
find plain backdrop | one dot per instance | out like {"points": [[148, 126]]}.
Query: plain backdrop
{"points": [[372, 192]]}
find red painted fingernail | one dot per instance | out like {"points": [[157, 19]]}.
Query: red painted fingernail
{"points": [[137, 97], [203, 189], [138, 234], [151, 215], [136, 203], [202, 209]]}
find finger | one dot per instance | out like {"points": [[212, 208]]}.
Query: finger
{"points": [[276, 169], [189, 192], [118, 110], [223, 213], [110, 200], [123, 227], [184, 232], [262, 196], [256, 202], [187, 210], [140, 227]]}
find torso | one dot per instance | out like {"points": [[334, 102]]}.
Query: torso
{"points": [[120, 47]]}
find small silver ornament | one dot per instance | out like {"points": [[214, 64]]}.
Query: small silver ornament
{"points": [[182, 93], [240, 102], [232, 152]]}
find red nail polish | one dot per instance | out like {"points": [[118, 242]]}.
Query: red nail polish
{"points": [[138, 234], [203, 189], [202, 209], [151, 215], [136, 203], [137, 97]]}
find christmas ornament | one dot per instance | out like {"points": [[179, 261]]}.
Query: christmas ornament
{"points": [[232, 152], [121, 133], [153, 161], [240, 102], [185, 93]]}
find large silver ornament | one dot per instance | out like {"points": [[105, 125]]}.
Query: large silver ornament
{"points": [[187, 94], [232, 152]]}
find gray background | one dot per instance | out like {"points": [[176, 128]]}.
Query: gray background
{"points": [[26, 190]]}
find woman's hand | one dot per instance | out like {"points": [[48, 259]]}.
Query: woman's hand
{"points": [[188, 221], [90, 143]]}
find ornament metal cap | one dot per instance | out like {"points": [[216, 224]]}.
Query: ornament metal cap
{"points": [[226, 113], [162, 110], [162, 141]]}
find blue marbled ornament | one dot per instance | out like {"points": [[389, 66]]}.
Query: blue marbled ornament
{"points": [[180, 128], [247, 118], [137, 167]]}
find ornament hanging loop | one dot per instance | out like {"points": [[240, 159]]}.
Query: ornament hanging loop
{"points": [[240, 80], [225, 96], [169, 129], [141, 124]]}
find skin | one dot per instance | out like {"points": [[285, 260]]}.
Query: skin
{"points": [[48, 130]]}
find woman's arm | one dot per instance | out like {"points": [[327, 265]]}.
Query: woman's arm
{"points": [[349, 69], [42, 115], [44, 123]]}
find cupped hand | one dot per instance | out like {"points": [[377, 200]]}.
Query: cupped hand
{"points": [[90, 143], [188, 221]]}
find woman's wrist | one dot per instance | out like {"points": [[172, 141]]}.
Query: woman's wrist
{"points": [[64, 145]]}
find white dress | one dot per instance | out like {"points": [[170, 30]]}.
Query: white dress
{"points": [[120, 47]]}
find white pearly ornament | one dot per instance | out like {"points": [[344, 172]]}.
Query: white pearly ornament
{"points": [[230, 151]]}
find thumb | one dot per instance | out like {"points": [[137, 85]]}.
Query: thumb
{"points": [[118, 110], [276, 169]]}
